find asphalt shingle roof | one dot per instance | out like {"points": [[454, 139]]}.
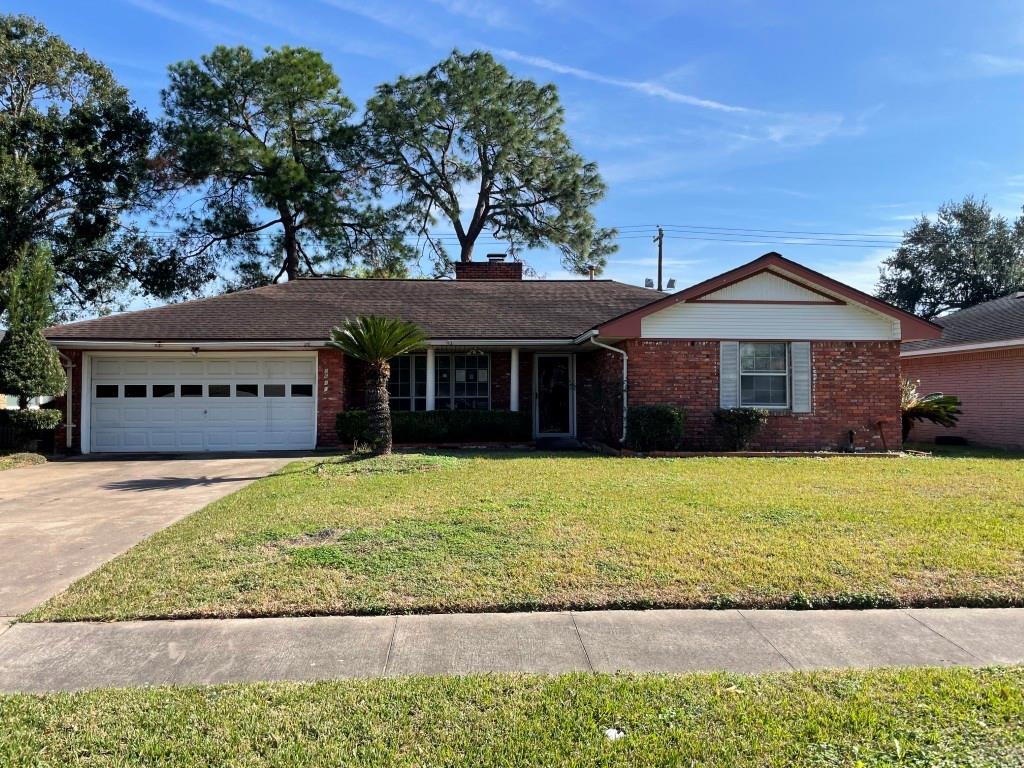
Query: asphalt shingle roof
{"points": [[308, 309], [996, 320]]}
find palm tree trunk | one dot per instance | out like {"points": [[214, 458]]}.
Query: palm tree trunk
{"points": [[379, 407]]}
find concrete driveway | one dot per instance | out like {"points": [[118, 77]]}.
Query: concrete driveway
{"points": [[61, 520]]}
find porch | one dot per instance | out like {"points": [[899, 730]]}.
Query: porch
{"points": [[556, 386]]}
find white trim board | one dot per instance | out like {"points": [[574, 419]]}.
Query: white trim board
{"points": [[979, 347]]}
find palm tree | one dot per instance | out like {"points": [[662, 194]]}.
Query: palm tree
{"points": [[935, 407], [375, 340]]}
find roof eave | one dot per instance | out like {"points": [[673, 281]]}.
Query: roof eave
{"points": [[949, 349]]}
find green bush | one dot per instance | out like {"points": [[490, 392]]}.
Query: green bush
{"points": [[440, 426], [353, 427], [21, 429], [32, 421], [737, 427], [655, 427]]}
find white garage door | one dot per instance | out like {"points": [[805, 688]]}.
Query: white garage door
{"points": [[171, 403]]}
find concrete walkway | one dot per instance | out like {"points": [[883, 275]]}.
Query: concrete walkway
{"points": [[46, 657], [61, 520]]}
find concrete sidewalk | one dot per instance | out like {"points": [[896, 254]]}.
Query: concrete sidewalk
{"points": [[46, 657]]}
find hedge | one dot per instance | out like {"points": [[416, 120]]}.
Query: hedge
{"points": [[737, 427], [655, 427], [439, 426]]}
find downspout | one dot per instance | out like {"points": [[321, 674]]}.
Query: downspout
{"points": [[68, 410], [625, 377]]}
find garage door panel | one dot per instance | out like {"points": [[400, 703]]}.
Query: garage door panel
{"points": [[248, 368], [166, 368], [134, 367], [191, 368], [175, 423], [106, 368]]}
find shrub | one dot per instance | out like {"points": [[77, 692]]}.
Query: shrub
{"points": [[353, 427], [25, 427], [440, 426], [655, 427], [737, 427], [35, 420]]}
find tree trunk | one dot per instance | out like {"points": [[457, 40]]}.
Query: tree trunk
{"points": [[466, 251], [378, 407], [291, 253]]}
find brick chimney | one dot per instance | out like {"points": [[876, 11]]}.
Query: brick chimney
{"points": [[495, 268]]}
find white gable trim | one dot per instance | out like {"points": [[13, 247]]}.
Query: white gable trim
{"points": [[768, 286]]}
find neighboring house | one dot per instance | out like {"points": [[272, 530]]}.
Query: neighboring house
{"points": [[979, 358], [250, 370]]}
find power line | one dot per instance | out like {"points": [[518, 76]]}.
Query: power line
{"points": [[692, 232]]}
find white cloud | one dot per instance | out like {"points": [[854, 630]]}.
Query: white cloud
{"points": [[989, 65], [861, 273], [279, 17], [486, 12], [646, 87], [207, 27]]}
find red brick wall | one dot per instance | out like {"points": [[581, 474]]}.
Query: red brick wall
{"points": [[331, 389], [990, 385], [59, 440], [855, 384], [599, 396]]}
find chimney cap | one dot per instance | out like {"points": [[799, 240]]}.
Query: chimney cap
{"points": [[495, 257]]}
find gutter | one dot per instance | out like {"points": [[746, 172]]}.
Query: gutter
{"points": [[591, 336], [186, 346], [964, 348]]}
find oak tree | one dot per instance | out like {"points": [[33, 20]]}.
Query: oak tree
{"points": [[966, 255]]}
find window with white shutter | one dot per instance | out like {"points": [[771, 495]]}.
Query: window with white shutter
{"points": [[728, 373], [800, 355]]}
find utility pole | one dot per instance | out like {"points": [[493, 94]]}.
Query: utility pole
{"points": [[660, 240]]}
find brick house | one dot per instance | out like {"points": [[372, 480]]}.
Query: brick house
{"points": [[980, 358], [250, 370]]}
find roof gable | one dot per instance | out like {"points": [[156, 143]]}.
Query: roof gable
{"points": [[629, 324]]}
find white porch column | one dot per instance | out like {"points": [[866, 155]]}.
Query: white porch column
{"points": [[430, 378], [513, 387]]}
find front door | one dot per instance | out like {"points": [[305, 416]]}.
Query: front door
{"points": [[554, 392]]}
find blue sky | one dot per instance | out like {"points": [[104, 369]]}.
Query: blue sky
{"points": [[791, 116]]}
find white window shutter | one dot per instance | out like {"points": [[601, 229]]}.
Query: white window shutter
{"points": [[800, 357], [729, 374]]}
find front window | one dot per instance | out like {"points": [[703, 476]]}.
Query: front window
{"points": [[764, 375], [461, 382], [408, 383]]}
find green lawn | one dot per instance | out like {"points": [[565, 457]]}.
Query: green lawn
{"points": [[476, 532], [19, 459], [922, 717]]}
